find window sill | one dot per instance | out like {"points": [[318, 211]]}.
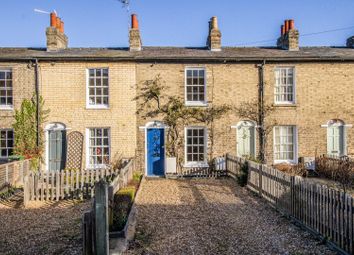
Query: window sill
{"points": [[6, 108], [196, 104], [97, 107], [195, 164], [290, 162], [290, 105], [93, 167]]}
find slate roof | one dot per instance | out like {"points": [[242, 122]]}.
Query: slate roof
{"points": [[227, 54]]}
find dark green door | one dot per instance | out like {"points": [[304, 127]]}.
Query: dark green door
{"points": [[56, 150]]}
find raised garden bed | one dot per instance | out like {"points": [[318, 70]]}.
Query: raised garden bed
{"points": [[122, 208]]}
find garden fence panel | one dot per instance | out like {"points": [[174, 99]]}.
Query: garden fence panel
{"points": [[12, 173], [323, 210]]}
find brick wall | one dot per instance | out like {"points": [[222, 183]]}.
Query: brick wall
{"points": [[63, 86], [323, 92], [23, 87]]}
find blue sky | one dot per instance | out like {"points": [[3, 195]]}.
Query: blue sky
{"points": [[104, 23]]}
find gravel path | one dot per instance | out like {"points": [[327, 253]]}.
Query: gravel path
{"points": [[42, 228], [213, 217]]}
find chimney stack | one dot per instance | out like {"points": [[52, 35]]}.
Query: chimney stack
{"points": [[56, 39], [134, 35], [350, 42], [289, 38], [214, 37]]}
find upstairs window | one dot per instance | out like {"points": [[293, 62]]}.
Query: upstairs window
{"points": [[98, 147], [6, 142], [97, 91], [195, 146], [6, 97], [285, 144], [284, 86], [195, 86]]}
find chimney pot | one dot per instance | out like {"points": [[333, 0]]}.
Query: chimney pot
{"points": [[58, 23], [291, 24], [61, 27], [214, 23], [286, 26], [135, 24], [53, 19]]}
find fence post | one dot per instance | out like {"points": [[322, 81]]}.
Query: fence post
{"points": [[226, 165], [260, 174], [292, 195], [87, 227], [25, 191], [101, 218], [7, 173]]}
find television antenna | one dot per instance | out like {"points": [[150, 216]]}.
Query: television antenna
{"points": [[43, 12]]}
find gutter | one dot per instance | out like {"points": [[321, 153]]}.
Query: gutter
{"points": [[141, 59], [261, 112], [36, 74]]}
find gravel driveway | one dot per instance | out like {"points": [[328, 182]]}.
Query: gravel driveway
{"points": [[209, 216], [42, 228]]}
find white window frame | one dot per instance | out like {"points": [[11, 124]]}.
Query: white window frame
{"points": [[8, 107], [87, 148], [293, 102], [6, 139], [195, 103], [295, 144], [196, 163], [96, 106]]}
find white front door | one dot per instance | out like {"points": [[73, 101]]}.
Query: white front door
{"points": [[246, 140]]}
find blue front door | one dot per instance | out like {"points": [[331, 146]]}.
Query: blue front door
{"points": [[155, 151]]}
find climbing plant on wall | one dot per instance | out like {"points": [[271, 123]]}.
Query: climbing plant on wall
{"points": [[154, 102], [25, 129]]}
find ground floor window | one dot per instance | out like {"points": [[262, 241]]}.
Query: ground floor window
{"points": [[195, 145], [284, 144], [98, 147], [6, 142]]}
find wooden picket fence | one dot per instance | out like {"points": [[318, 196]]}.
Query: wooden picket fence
{"points": [[323, 210], [12, 173], [202, 172], [66, 184], [96, 236]]}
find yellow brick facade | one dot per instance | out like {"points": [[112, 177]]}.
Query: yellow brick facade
{"points": [[63, 87], [23, 83], [324, 91]]}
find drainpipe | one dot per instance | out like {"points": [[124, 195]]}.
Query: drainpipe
{"points": [[261, 112], [36, 74]]}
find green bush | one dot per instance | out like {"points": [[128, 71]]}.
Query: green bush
{"points": [[243, 176], [137, 177], [122, 203]]}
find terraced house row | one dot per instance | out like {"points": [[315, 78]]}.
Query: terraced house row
{"points": [[91, 95]]}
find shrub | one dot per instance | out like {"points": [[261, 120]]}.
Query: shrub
{"points": [[298, 169], [122, 203], [243, 176], [339, 170]]}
